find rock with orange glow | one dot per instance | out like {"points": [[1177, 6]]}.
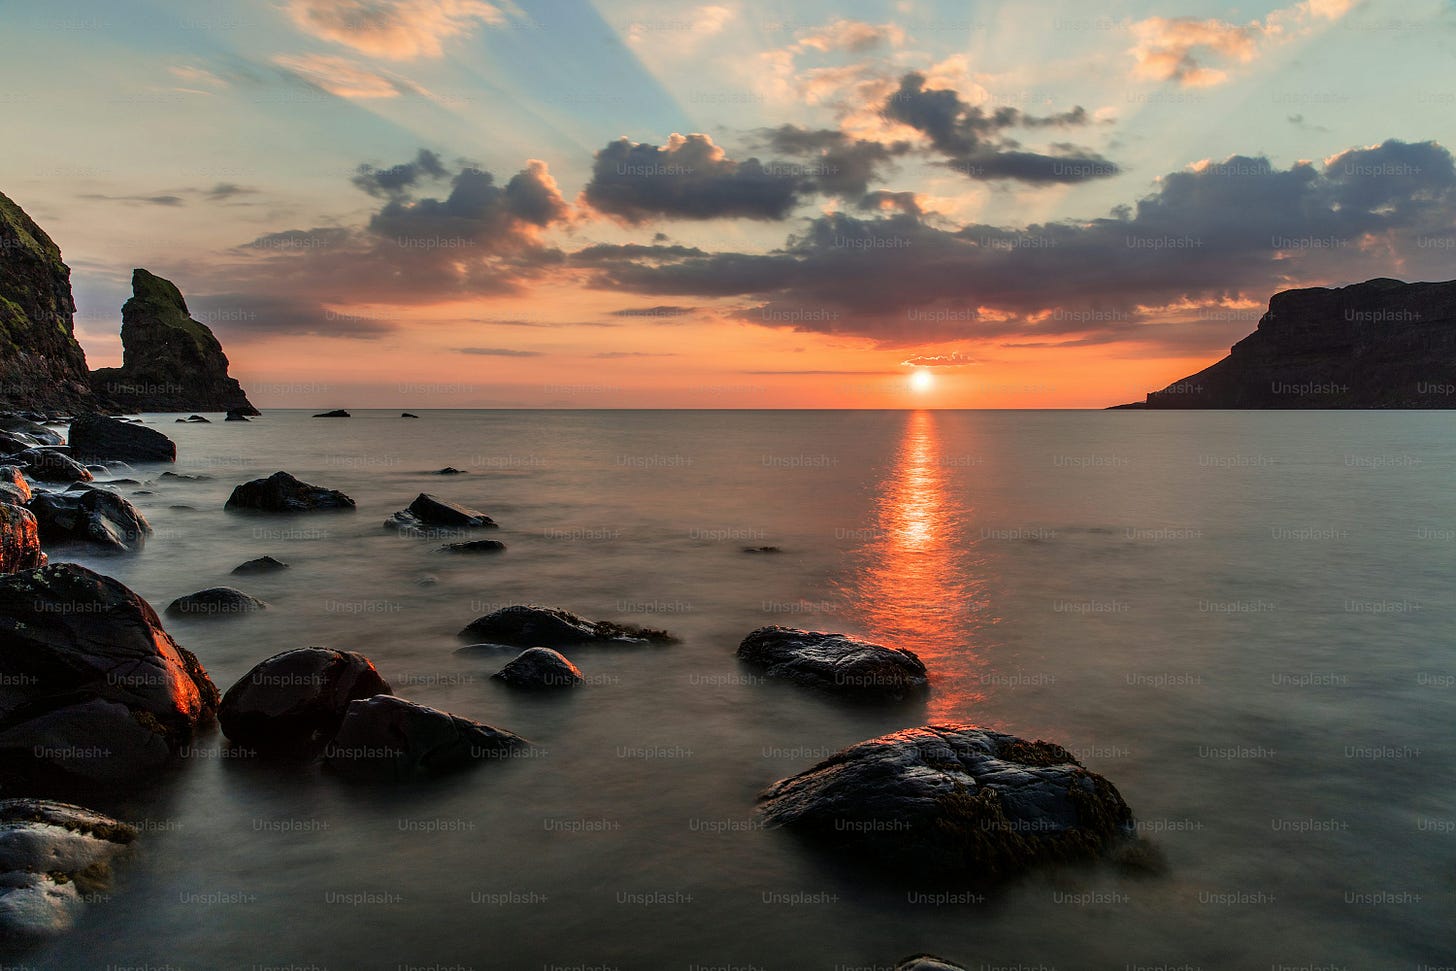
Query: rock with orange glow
{"points": [[52, 855], [388, 739], [540, 667], [294, 702], [834, 662], [953, 801], [19, 539], [529, 625], [94, 690]]}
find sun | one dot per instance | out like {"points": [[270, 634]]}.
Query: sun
{"points": [[921, 381]]}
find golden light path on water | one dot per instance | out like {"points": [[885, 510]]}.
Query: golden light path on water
{"points": [[918, 584]]}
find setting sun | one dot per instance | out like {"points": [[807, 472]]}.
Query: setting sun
{"points": [[922, 381]]}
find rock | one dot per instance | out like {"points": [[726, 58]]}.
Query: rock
{"points": [[527, 625], [49, 465], [97, 691], [198, 419], [431, 511], [170, 362], [447, 470], [338, 413], [388, 739], [14, 483], [540, 667], [88, 514], [263, 564], [953, 801], [31, 431], [281, 492], [1377, 344], [294, 702], [236, 415], [19, 539], [927, 962], [98, 437], [216, 602], [475, 546], [834, 662], [13, 444], [762, 549], [406, 414], [179, 477], [41, 364], [53, 854]]}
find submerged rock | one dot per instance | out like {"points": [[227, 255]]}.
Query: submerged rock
{"points": [[263, 564], [388, 739], [216, 602], [430, 511], [927, 962], [953, 801], [97, 437], [99, 691], [338, 413], [49, 465], [540, 667], [527, 625], [19, 539], [448, 470], [281, 492], [762, 549], [89, 514], [475, 546], [52, 855], [834, 662], [237, 415], [294, 702]]}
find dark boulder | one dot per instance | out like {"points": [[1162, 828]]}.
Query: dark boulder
{"points": [[762, 549], [527, 625], [97, 691], [953, 801], [406, 414], [292, 703], [431, 512], [50, 465], [540, 667], [180, 477], [339, 413], [97, 437], [281, 492], [216, 602], [13, 487], [475, 546], [236, 415], [19, 539], [927, 962], [834, 662], [30, 431], [448, 470], [263, 564], [388, 739], [89, 514], [53, 857]]}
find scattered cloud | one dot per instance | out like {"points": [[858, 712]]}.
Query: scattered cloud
{"points": [[499, 352], [397, 30], [345, 78], [953, 359]]}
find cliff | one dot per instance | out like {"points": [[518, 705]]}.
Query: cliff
{"points": [[170, 362], [42, 367], [1377, 344]]}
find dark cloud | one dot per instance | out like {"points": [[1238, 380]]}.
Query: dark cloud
{"points": [[499, 352], [664, 310], [156, 200], [399, 179], [842, 166], [613, 252], [227, 190], [241, 317]]}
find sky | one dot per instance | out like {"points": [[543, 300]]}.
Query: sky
{"points": [[481, 203]]}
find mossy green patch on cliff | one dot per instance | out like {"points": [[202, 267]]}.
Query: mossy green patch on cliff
{"points": [[28, 236]]}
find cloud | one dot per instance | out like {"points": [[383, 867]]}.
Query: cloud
{"points": [[242, 317], [227, 190], [477, 212], [843, 166], [615, 355], [954, 359], [399, 179], [659, 311], [853, 36], [344, 78], [397, 30], [166, 199], [499, 352]]}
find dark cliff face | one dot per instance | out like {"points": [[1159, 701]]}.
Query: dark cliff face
{"points": [[170, 362], [41, 365], [1378, 344]]}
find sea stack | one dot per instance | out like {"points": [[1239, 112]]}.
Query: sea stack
{"points": [[170, 362]]}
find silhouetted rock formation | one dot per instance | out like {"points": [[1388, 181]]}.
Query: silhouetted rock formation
{"points": [[281, 492], [170, 362], [41, 364], [1377, 344], [99, 438]]}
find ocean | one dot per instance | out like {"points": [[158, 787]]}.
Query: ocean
{"points": [[1244, 620]]}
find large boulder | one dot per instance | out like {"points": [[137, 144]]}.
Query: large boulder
{"points": [[169, 362], [431, 512], [50, 465], [834, 662], [528, 625], [13, 487], [953, 801], [19, 539], [281, 492], [52, 857], [30, 430], [99, 438], [90, 514], [388, 739], [216, 602], [94, 690], [292, 703], [540, 667]]}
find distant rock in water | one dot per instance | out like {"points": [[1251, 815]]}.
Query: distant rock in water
{"points": [[263, 564], [170, 362], [406, 414], [53, 858], [834, 662], [216, 602], [281, 492], [540, 667], [475, 546], [90, 514], [19, 539], [927, 962], [447, 470], [237, 415], [41, 365], [1377, 344], [388, 739], [953, 801], [762, 549], [97, 437], [339, 413], [293, 702], [526, 625], [430, 510]]}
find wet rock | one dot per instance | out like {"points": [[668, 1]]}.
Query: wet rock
{"points": [[294, 702], [927, 962], [339, 413], [180, 477], [388, 739], [953, 801], [263, 564], [19, 539], [13, 486], [97, 437], [96, 690], [281, 492], [528, 625], [430, 511], [448, 470], [762, 549], [475, 546], [31, 431], [53, 854], [216, 602], [540, 667], [89, 514], [834, 662], [198, 419], [406, 414], [49, 465]]}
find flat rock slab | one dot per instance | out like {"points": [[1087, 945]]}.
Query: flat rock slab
{"points": [[528, 625], [834, 662], [388, 739]]}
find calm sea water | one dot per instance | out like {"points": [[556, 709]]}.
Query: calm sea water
{"points": [[1244, 620]]}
